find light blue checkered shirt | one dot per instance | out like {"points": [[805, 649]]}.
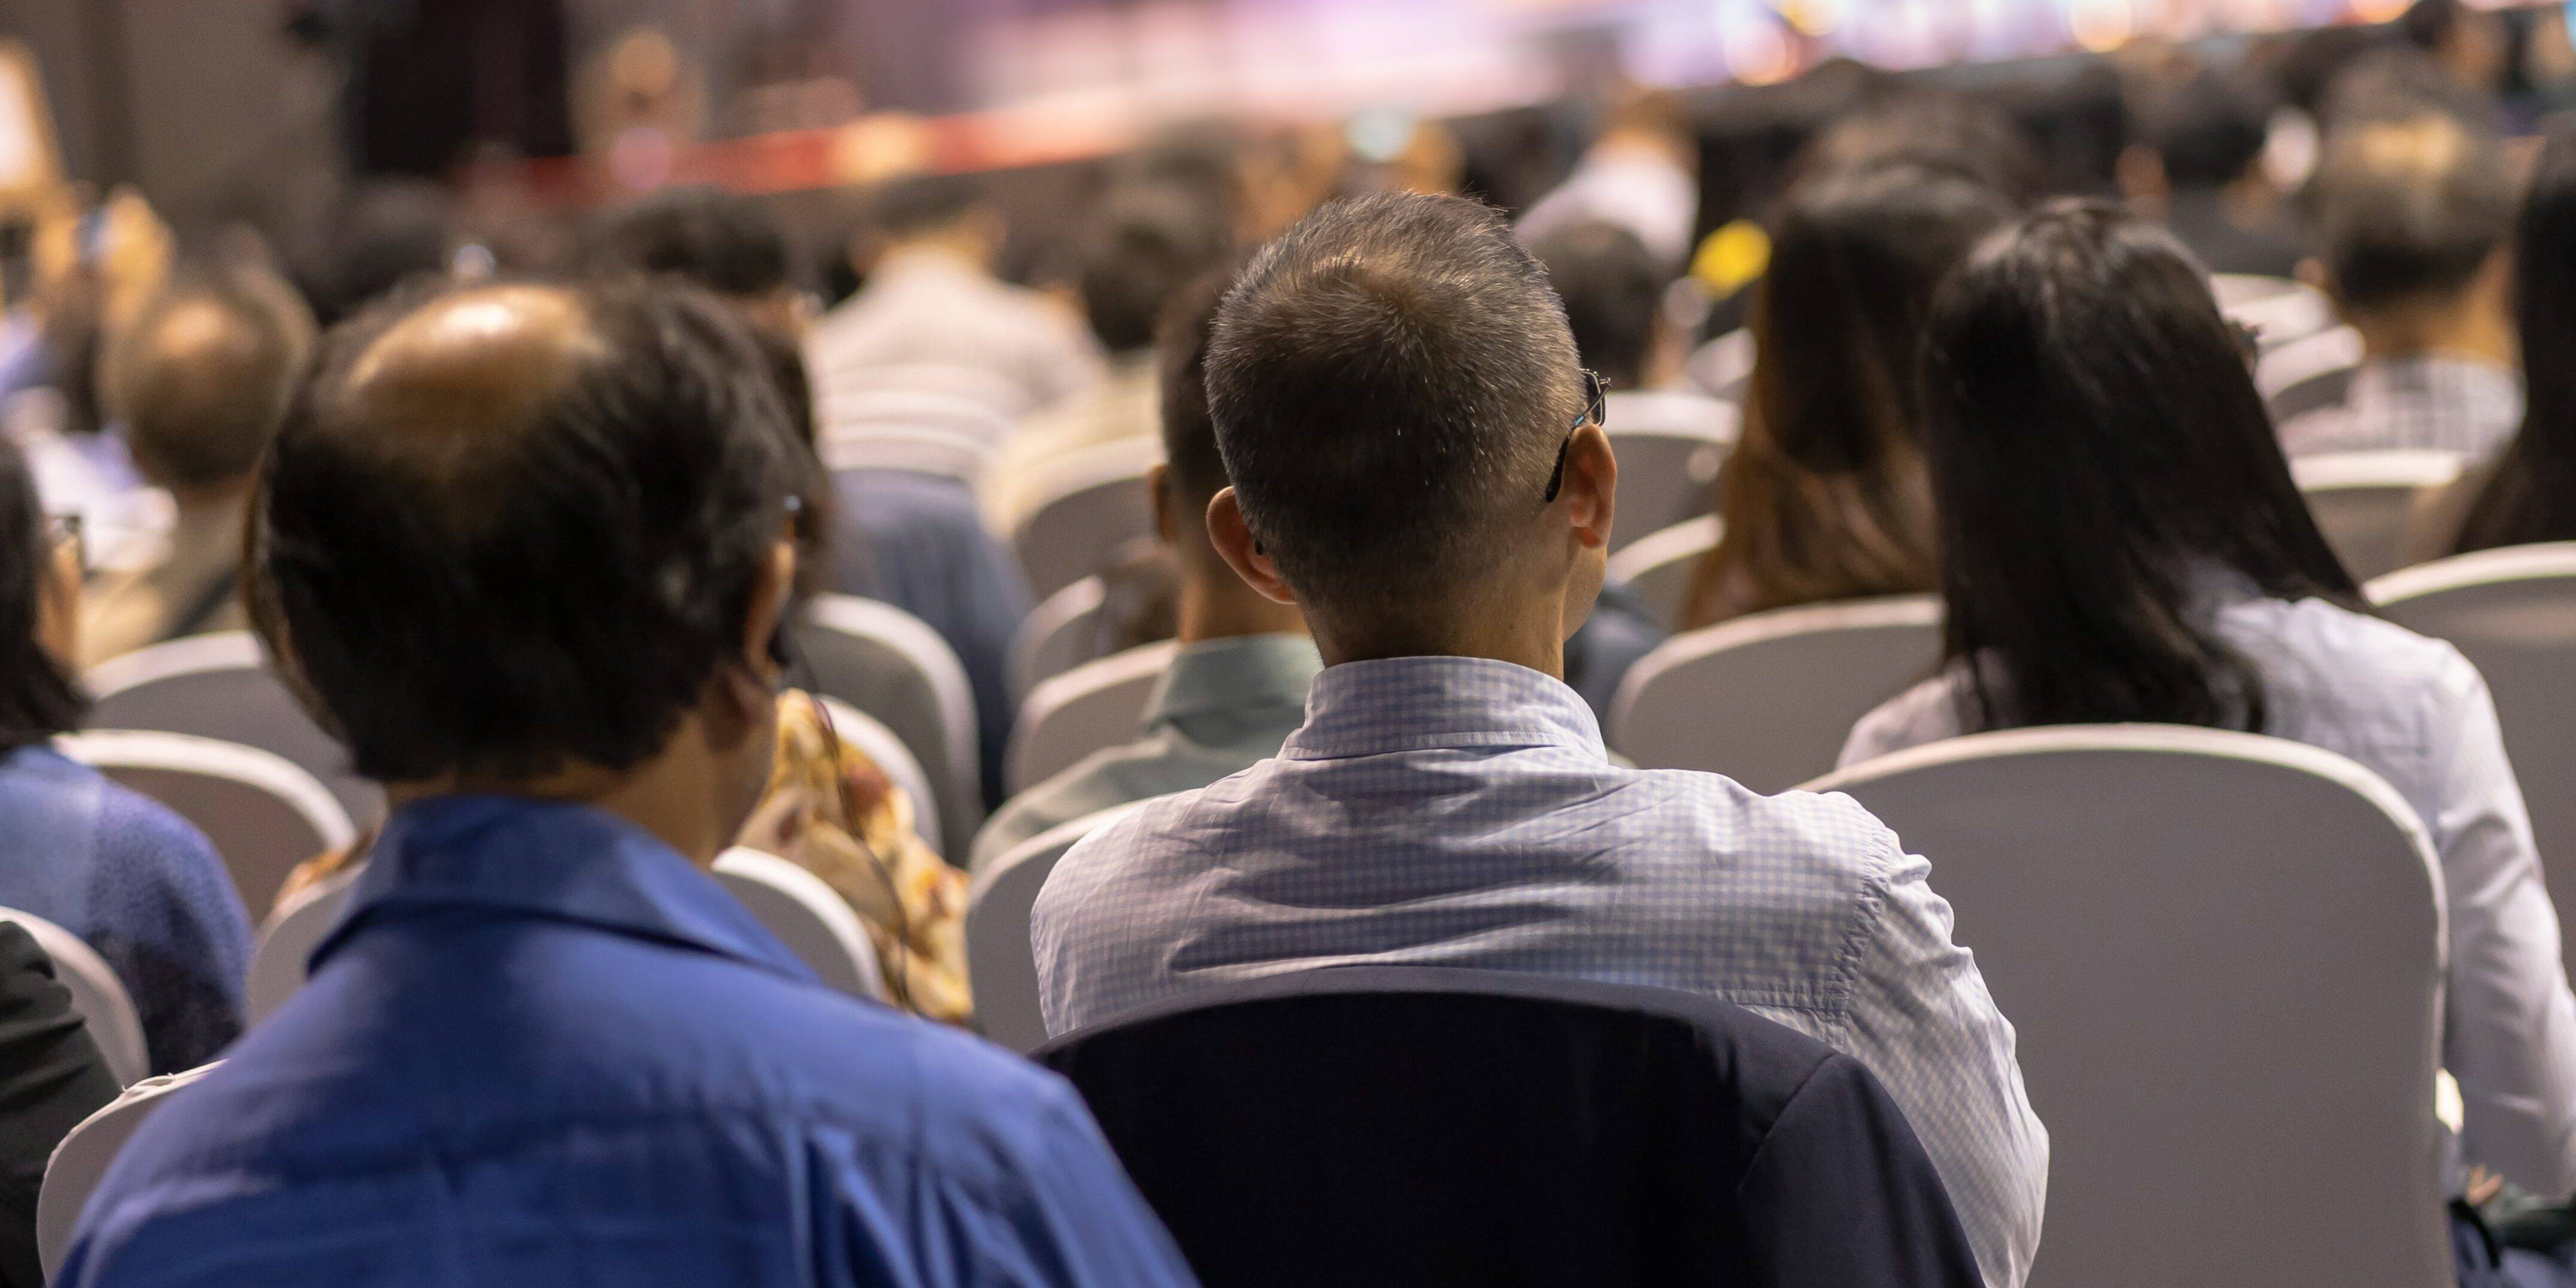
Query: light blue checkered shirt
{"points": [[1462, 812]]}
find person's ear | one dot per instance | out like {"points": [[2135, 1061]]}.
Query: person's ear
{"points": [[1589, 497], [1232, 538], [767, 615], [1158, 485], [2312, 272]]}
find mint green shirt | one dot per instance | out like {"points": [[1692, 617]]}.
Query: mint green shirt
{"points": [[1224, 706]]}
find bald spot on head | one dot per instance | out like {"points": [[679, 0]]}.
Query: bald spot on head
{"points": [[475, 361], [202, 375]]}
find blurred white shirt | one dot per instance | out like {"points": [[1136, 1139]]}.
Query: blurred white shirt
{"points": [[927, 318]]}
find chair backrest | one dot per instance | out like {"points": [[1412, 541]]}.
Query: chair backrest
{"points": [[1658, 568], [287, 940], [868, 736], [2365, 500], [1768, 700], [1058, 635], [1723, 366], [2512, 613], [1090, 502], [888, 664], [801, 909], [2223, 956], [220, 686], [1670, 448], [96, 993], [2279, 310], [1001, 967], [80, 1162], [2310, 374], [1391, 1125], [263, 814], [1094, 705]]}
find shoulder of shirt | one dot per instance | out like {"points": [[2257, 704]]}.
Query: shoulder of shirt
{"points": [[2375, 654], [136, 828]]}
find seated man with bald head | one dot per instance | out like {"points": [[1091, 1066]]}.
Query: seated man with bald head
{"points": [[199, 381], [525, 550]]}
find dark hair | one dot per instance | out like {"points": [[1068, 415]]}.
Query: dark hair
{"points": [[391, 231], [2410, 208], [2430, 24], [201, 376], [1144, 245], [816, 502], [921, 204], [1391, 378], [2532, 494], [1613, 289], [1824, 496], [2098, 454], [1189, 431], [38, 696], [1909, 123], [463, 590], [2210, 130], [724, 243]]}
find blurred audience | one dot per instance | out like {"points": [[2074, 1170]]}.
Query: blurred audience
{"points": [[730, 246], [2202, 168], [1641, 175], [2527, 493], [1824, 497], [133, 880], [933, 317], [2413, 214], [1143, 247], [198, 382], [557, 651], [2121, 542], [1417, 464], [1237, 688], [390, 231]]}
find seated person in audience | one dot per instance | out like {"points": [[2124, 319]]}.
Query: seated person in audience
{"points": [[2121, 542], [51, 1077], [2412, 214], [1417, 465], [545, 1044], [1237, 688], [932, 309], [1144, 246], [1613, 288], [911, 540], [199, 380], [2201, 167], [2527, 494], [1641, 176], [1823, 498], [133, 880]]}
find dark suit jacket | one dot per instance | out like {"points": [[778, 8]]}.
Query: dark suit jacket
{"points": [[51, 1077], [1405, 1125]]}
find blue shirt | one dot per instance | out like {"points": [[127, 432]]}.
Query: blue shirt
{"points": [[916, 541], [1456, 811], [546, 1049], [137, 883]]}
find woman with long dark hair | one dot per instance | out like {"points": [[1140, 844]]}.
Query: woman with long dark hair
{"points": [[2121, 541], [1824, 496], [117, 869], [2528, 493]]}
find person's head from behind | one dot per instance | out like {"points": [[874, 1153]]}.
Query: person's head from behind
{"points": [[1613, 289], [730, 246], [1213, 601], [39, 615], [1145, 245], [2412, 215], [2470, 45], [201, 377], [2208, 133], [943, 212], [1406, 429], [2103, 468], [392, 231], [1824, 495], [534, 540], [2532, 496], [1933, 129]]}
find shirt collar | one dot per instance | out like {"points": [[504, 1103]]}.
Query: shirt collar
{"points": [[1234, 674], [553, 861], [1424, 703]]}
